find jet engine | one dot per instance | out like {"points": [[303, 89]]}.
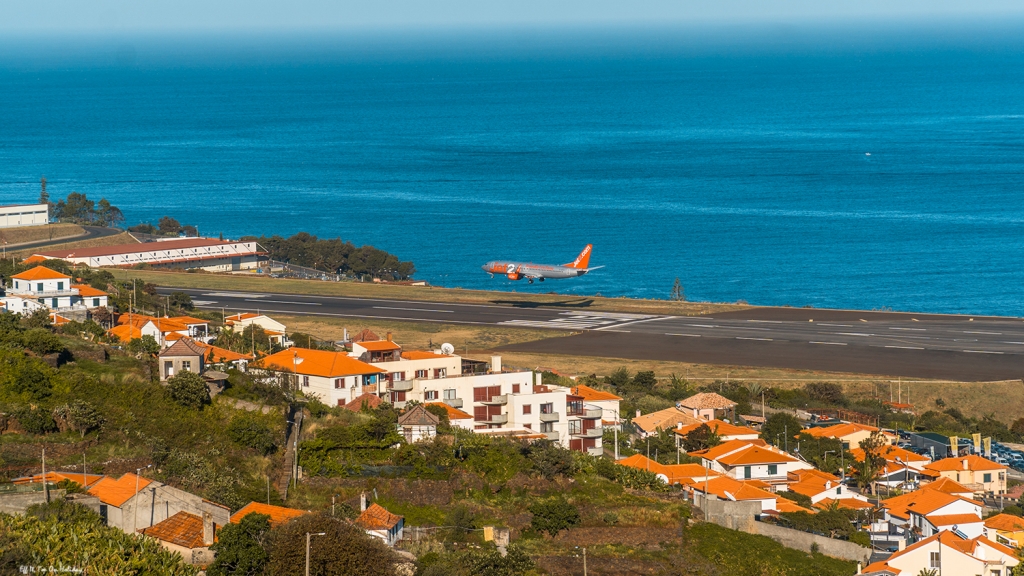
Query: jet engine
{"points": [[514, 276]]}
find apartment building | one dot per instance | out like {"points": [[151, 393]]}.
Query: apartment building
{"points": [[975, 472]]}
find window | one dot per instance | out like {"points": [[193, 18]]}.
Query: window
{"points": [[547, 426], [515, 388], [339, 383], [430, 394], [839, 489], [575, 426], [341, 402], [305, 381], [527, 409], [60, 285], [440, 372], [548, 408], [987, 477], [39, 287], [934, 559], [95, 302], [54, 303], [186, 365], [397, 376], [746, 472], [421, 373], [773, 469], [449, 394], [528, 426]]}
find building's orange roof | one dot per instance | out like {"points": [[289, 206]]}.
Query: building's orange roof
{"points": [[890, 453], [417, 354], [182, 529], [453, 413], [1006, 523], [951, 540], [948, 486], [41, 273], [973, 461], [125, 332], [323, 363], [676, 473], [940, 520], [54, 477], [189, 320], [848, 503], [784, 505], [134, 319], [663, 420], [375, 517], [732, 489], [222, 354], [240, 316], [812, 482], [278, 514], [58, 320], [591, 395], [86, 291], [719, 427], [34, 259], [928, 501], [756, 455], [728, 447], [370, 400], [840, 430], [117, 492], [380, 345], [707, 401]]}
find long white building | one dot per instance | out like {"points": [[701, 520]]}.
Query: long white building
{"points": [[17, 215], [206, 253]]}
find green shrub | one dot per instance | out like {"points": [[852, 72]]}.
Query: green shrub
{"points": [[252, 431], [189, 389], [554, 515], [42, 341]]}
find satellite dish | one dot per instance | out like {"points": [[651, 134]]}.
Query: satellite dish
{"points": [[447, 348]]}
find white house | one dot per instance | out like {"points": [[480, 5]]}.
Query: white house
{"points": [[51, 289], [380, 523], [333, 377], [948, 553], [132, 502], [275, 330], [417, 424], [751, 460]]}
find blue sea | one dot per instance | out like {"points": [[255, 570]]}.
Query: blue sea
{"points": [[841, 168]]}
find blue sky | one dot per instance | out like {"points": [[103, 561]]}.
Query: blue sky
{"points": [[132, 16]]}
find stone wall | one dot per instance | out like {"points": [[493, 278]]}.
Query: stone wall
{"points": [[18, 502]]}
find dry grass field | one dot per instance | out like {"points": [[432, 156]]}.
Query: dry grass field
{"points": [[14, 236], [122, 238]]}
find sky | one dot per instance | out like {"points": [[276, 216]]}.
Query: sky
{"points": [[135, 16]]}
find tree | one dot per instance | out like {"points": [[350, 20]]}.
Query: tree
{"points": [[181, 301], [38, 319], [554, 515], [79, 416], [343, 550], [241, 548], [700, 438], [146, 345], [826, 393], [645, 380], [778, 426], [44, 196], [550, 459], [677, 292], [107, 214], [251, 431], [42, 341], [1018, 427], [189, 389], [930, 572], [169, 226], [871, 467]]}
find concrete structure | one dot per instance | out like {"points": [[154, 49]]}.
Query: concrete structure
{"points": [[51, 289], [132, 502], [979, 474], [204, 253], [186, 534], [948, 553], [182, 356], [417, 424], [17, 215]]}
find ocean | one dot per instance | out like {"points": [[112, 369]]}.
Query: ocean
{"points": [[874, 173]]}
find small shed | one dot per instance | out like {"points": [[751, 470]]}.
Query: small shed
{"points": [[182, 356], [380, 523], [418, 424], [190, 535]]}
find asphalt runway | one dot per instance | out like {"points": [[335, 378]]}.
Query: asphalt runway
{"points": [[893, 344]]}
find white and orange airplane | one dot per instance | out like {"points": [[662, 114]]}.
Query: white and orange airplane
{"points": [[520, 270]]}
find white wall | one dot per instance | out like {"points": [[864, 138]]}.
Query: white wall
{"points": [[24, 215]]}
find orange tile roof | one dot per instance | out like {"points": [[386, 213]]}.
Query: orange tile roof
{"points": [[707, 401], [125, 332], [278, 514], [848, 503], [727, 447], [41, 273], [840, 430], [676, 473], [732, 489], [135, 319], [955, 542], [240, 316], [323, 363], [182, 529], [756, 455], [419, 355], [58, 320], [117, 492], [87, 291], [812, 482], [718, 427], [1006, 523], [189, 320], [948, 486], [370, 400], [34, 259], [222, 354], [784, 505], [974, 463], [55, 477], [663, 420], [453, 413], [940, 520], [375, 517], [592, 395], [891, 453], [380, 345]]}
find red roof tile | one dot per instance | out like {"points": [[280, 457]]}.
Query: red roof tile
{"points": [[278, 514], [182, 529], [375, 517]]}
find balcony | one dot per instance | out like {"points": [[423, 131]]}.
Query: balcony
{"points": [[46, 293], [453, 402], [399, 405], [590, 433], [592, 414], [553, 436], [400, 386], [499, 400], [596, 451], [496, 419], [549, 417]]}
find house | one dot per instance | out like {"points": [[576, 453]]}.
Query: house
{"points": [[849, 433], [685, 474], [726, 488], [418, 424], [707, 406], [380, 523], [278, 514], [928, 512], [949, 554], [902, 467], [606, 401], [182, 356], [751, 460], [825, 490], [948, 486], [163, 330], [132, 502], [333, 377], [189, 535], [975, 472], [218, 355], [367, 400], [1005, 529], [667, 419], [275, 330], [723, 430], [197, 328], [52, 289], [456, 418], [405, 371], [17, 215]]}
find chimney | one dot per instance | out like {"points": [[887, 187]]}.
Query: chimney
{"points": [[495, 364], [362, 502], [859, 569], [965, 463], [638, 413], [345, 337], [389, 336], [207, 528], [538, 379], [679, 425]]}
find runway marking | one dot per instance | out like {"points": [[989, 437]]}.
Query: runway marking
{"points": [[993, 333], [411, 309], [691, 335], [918, 337], [338, 315], [906, 347], [965, 339], [702, 326], [1013, 342], [762, 339], [831, 343], [203, 302], [982, 352], [852, 334], [285, 302], [765, 321], [913, 329], [633, 322], [236, 294], [836, 325], [752, 328], [585, 321]]}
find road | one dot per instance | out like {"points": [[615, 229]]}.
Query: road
{"points": [[91, 232], [895, 344]]}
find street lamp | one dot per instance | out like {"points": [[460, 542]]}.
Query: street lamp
{"points": [[135, 506], [308, 535]]}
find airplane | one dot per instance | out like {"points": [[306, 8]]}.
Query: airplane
{"points": [[520, 270]]}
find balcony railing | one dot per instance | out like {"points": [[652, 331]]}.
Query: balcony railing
{"points": [[453, 402], [548, 417], [553, 436], [588, 433], [497, 419], [595, 451], [499, 400], [592, 414], [400, 386], [48, 293]]}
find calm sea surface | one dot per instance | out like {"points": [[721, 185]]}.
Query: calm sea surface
{"points": [[843, 178]]}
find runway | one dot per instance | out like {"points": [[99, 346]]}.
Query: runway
{"points": [[893, 344]]}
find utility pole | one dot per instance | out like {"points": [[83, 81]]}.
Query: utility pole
{"points": [[308, 535], [268, 489], [584, 561], [46, 487]]}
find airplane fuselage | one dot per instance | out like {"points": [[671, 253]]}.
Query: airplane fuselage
{"points": [[530, 271]]}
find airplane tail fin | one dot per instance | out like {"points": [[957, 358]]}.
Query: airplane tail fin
{"points": [[583, 259]]}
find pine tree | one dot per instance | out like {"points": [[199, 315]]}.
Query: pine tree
{"points": [[677, 292]]}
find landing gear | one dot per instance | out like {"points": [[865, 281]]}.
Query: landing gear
{"points": [[541, 279], [530, 280]]}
